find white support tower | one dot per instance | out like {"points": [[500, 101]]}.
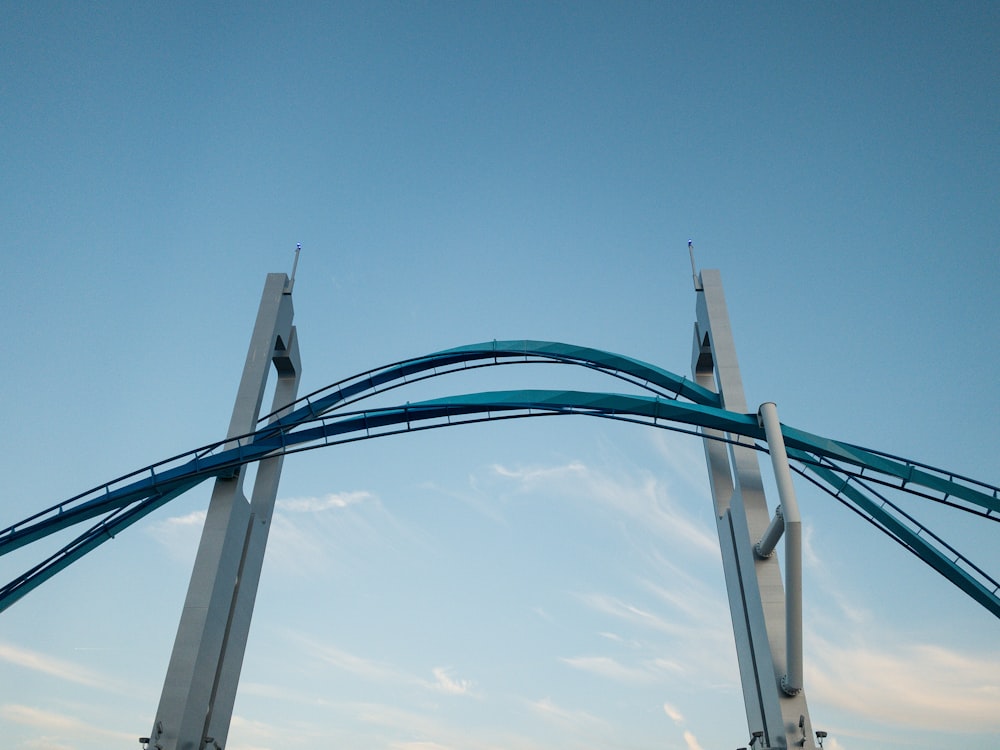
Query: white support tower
{"points": [[200, 687], [768, 634], [199, 691]]}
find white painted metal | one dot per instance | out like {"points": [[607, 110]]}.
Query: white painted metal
{"points": [[200, 686], [765, 547], [754, 585], [199, 690], [791, 683]]}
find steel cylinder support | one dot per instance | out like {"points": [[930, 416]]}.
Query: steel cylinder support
{"points": [[199, 690], [791, 683], [753, 583]]}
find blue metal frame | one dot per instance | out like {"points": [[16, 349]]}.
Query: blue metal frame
{"points": [[318, 423]]}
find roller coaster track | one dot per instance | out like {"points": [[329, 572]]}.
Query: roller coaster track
{"points": [[323, 418]]}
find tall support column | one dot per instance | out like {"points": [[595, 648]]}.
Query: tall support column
{"points": [[791, 683], [754, 586], [199, 690]]}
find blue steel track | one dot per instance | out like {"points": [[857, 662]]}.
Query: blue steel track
{"points": [[847, 472]]}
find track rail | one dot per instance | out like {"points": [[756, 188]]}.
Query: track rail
{"points": [[321, 419]]}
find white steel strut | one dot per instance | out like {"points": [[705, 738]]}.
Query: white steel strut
{"points": [[199, 691], [768, 630], [196, 705]]}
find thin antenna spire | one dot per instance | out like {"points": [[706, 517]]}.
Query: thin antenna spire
{"points": [[694, 270], [295, 264]]}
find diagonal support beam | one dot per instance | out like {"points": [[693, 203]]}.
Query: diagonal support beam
{"points": [[756, 595], [791, 682], [200, 685]]}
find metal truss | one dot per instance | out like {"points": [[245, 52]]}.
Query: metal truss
{"points": [[207, 657], [320, 420]]}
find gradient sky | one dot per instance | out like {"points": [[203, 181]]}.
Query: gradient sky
{"points": [[462, 172]]}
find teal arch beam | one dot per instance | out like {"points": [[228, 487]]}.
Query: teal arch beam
{"points": [[258, 445], [904, 471], [355, 388], [115, 523], [640, 373], [920, 546], [313, 432]]}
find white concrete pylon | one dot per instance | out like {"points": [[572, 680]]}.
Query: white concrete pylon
{"points": [[199, 690]]}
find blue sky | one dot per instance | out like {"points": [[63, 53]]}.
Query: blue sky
{"points": [[461, 172]]}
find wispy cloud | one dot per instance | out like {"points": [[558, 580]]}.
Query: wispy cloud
{"points": [[691, 741], [330, 501], [630, 613], [674, 713], [694, 603], [333, 534], [249, 734], [445, 683], [639, 496], [366, 669], [648, 671], [915, 685], [473, 496], [50, 721], [685, 459], [435, 732], [178, 535], [605, 666], [695, 641], [293, 546], [58, 668], [580, 721], [444, 680]]}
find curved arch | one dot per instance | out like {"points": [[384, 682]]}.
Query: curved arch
{"points": [[320, 422], [104, 498], [349, 390]]}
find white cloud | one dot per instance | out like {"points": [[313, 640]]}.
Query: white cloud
{"points": [[474, 497], [695, 605], [335, 534], [248, 734], [296, 548], [330, 501], [47, 743], [810, 556], [685, 458], [434, 732], [366, 669], [542, 614], [604, 666], [630, 613], [38, 662], [640, 497], [580, 721], [194, 519], [50, 721], [691, 741], [382, 672], [915, 685], [445, 683], [674, 713], [179, 534], [542, 474]]}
